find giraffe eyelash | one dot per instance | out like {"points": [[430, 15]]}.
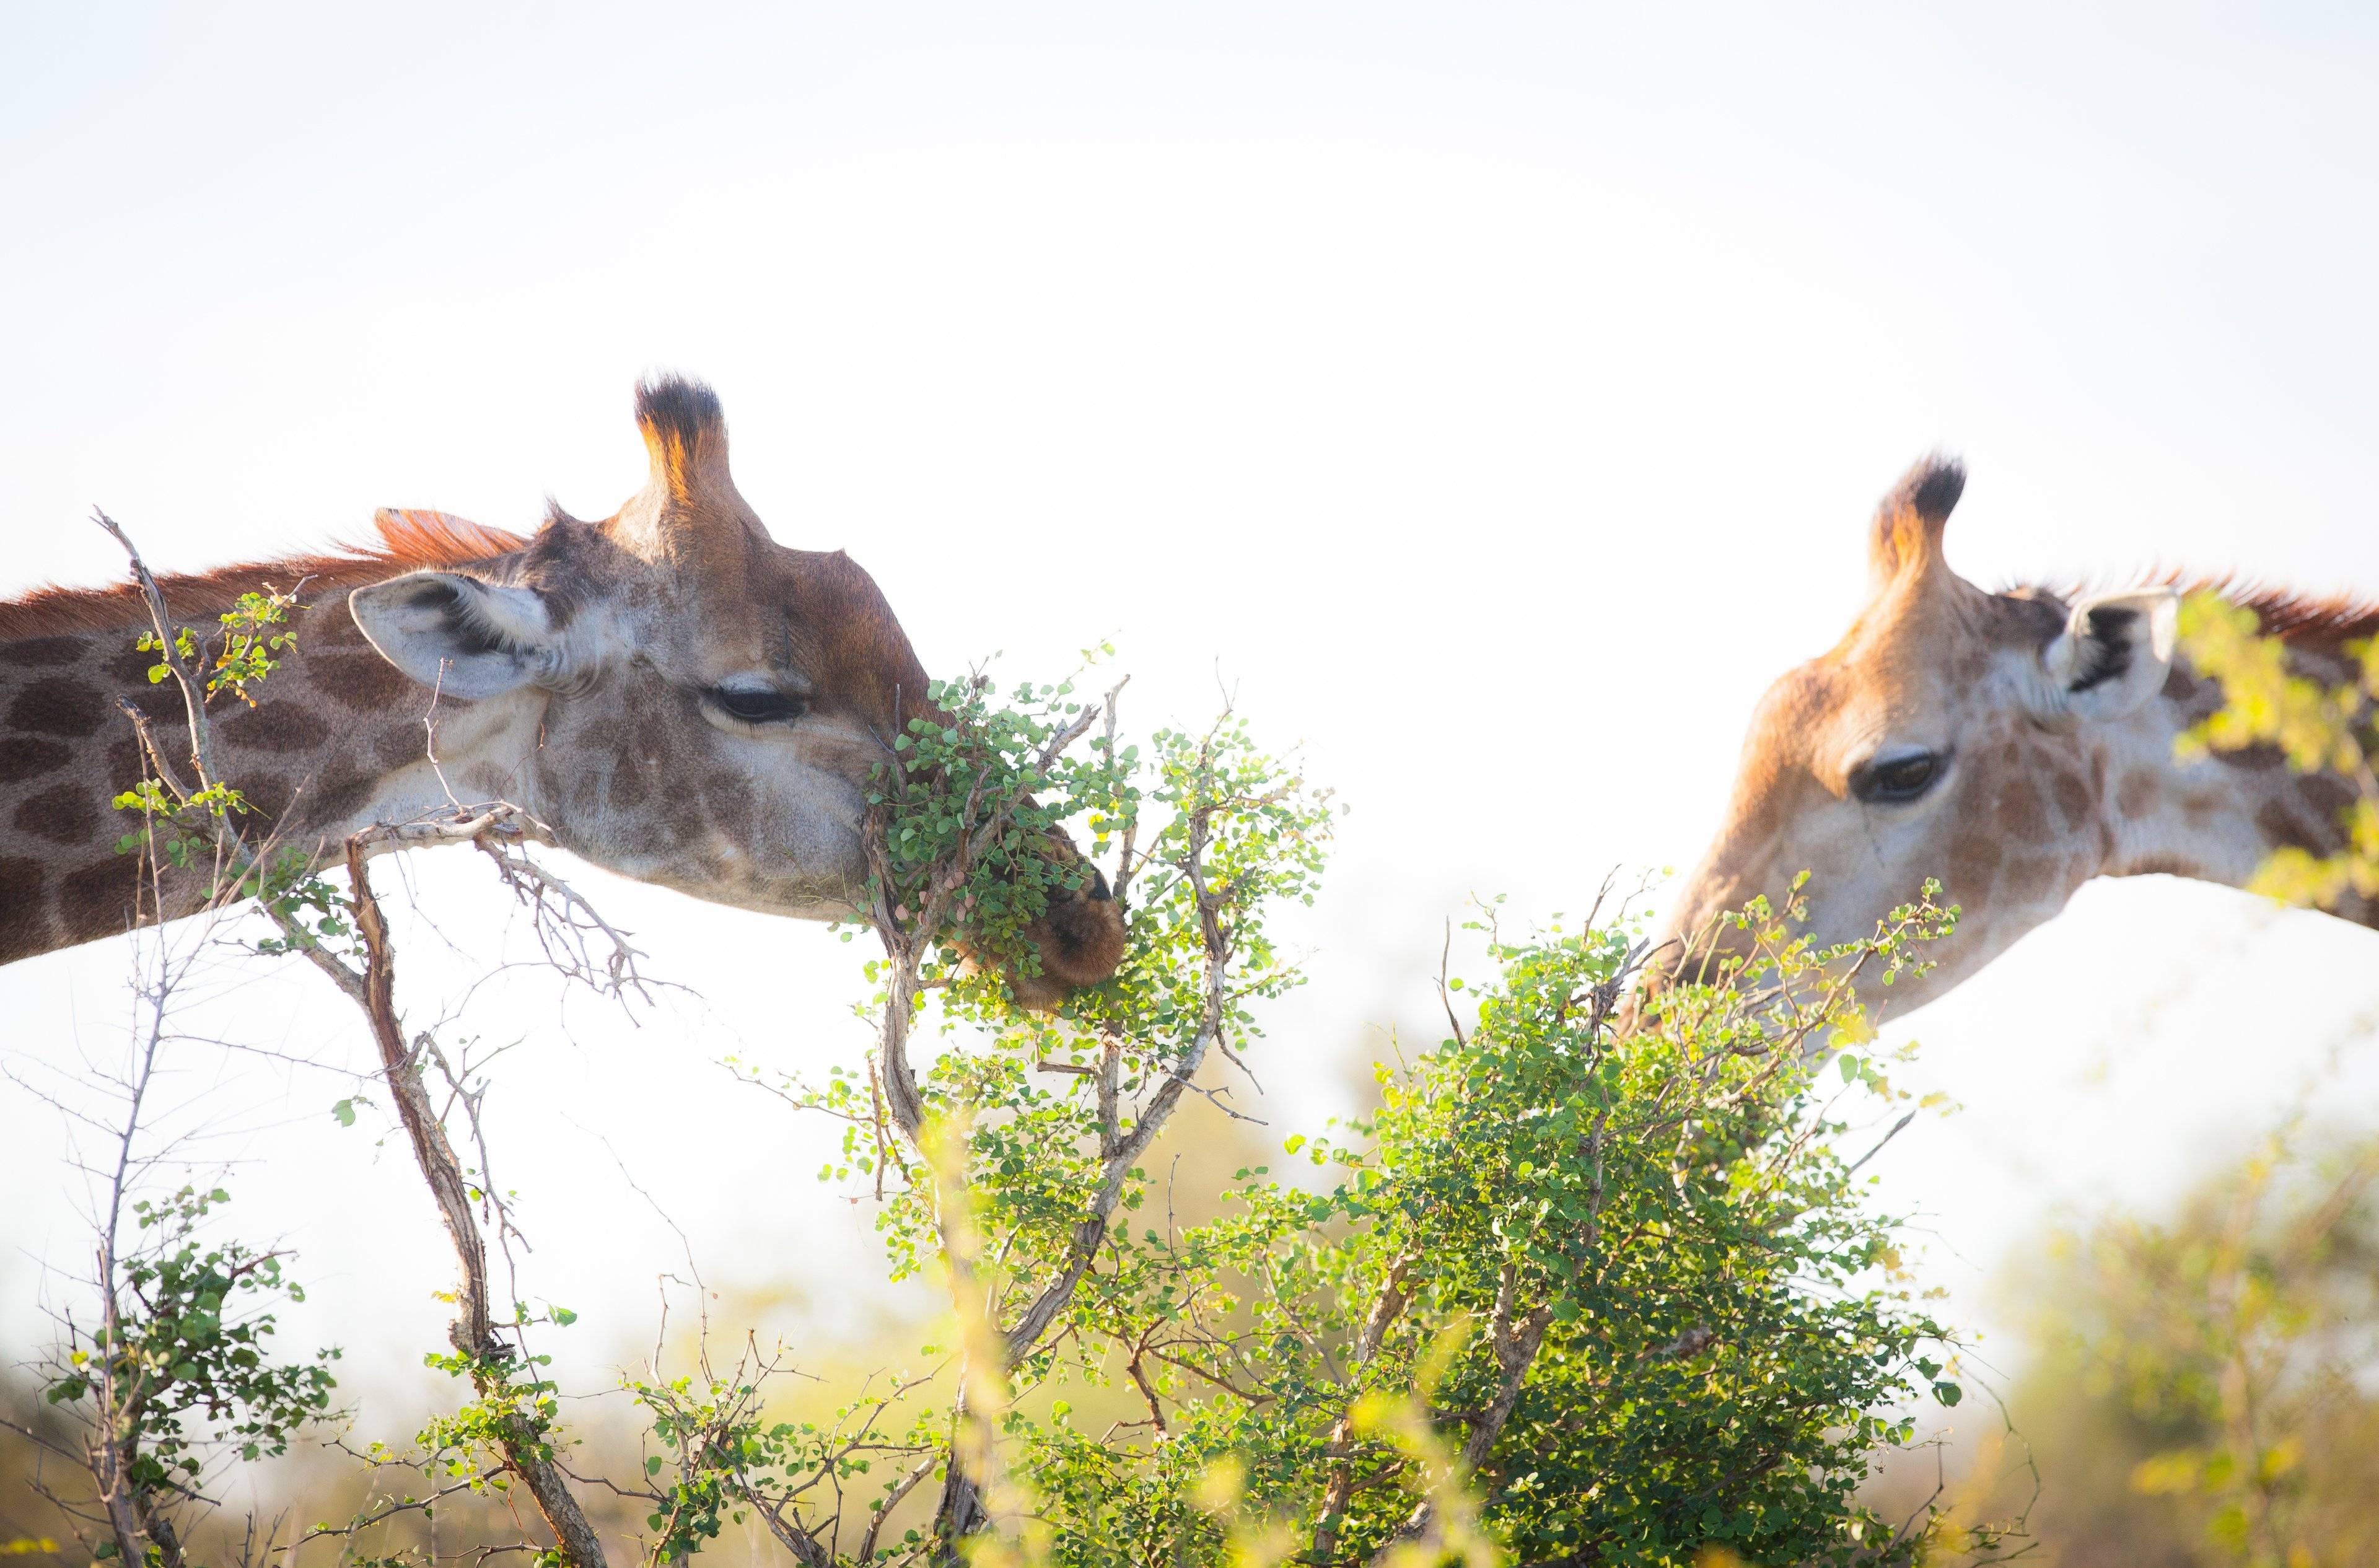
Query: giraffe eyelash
{"points": [[1898, 779], [754, 706]]}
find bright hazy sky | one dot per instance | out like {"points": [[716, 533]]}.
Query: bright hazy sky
{"points": [[1493, 396]]}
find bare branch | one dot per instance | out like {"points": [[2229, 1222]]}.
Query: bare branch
{"points": [[472, 1333]]}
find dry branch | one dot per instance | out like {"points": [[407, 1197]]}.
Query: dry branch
{"points": [[372, 990]]}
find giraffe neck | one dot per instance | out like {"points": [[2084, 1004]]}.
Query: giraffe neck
{"points": [[2221, 816], [337, 739]]}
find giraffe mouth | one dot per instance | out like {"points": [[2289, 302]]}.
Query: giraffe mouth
{"points": [[1080, 942]]}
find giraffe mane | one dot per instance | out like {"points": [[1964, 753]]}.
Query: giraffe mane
{"points": [[2287, 613], [410, 540]]}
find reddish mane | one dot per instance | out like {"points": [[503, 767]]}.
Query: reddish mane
{"points": [[2311, 618], [2285, 613], [409, 540]]}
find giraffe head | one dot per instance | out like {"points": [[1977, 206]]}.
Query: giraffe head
{"points": [[1952, 733], [682, 699]]}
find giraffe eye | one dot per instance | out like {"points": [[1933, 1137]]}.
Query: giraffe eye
{"points": [[1890, 781], [758, 704]]}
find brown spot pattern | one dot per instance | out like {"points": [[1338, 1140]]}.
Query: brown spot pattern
{"points": [[268, 795], [630, 789], [2283, 821], [337, 798], [278, 726], [2073, 798], [65, 815], [129, 666], [2327, 794], [23, 924], [2253, 759], [30, 756], [98, 900], [334, 629], [47, 651], [1974, 867], [125, 764], [64, 706], [2022, 811], [364, 682], [400, 746], [160, 704], [2031, 878], [2136, 794]]}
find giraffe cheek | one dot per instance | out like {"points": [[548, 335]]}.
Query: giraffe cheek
{"points": [[1974, 866], [2031, 880], [2020, 813], [632, 781]]}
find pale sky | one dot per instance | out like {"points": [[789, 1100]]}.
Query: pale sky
{"points": [[1493, 396]]}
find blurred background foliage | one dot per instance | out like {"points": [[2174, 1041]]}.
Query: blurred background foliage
{"points": [[2202, 1387]]}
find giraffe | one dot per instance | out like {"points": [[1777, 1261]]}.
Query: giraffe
{"points": [[676, 696], [2012, 744]]}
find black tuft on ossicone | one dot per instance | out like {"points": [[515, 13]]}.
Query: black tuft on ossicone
{"points": [[1930, 489], [678, 410]]}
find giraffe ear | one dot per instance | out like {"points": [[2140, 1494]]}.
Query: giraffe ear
{"points": [[459, 634], [2114, 654]]}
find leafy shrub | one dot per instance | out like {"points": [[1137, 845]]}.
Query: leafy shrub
{"points": [[1598, 1282]]}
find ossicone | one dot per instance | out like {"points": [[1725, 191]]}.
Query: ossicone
{"points": [[1909, 523], [686, 432]]}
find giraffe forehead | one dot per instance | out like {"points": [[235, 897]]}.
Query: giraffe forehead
{"points": [[1937, 620], [776, 612], [1825, 713], [814, 619], [1928, 661]]}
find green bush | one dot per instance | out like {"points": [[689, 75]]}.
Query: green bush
{"points": [[1587, 1287], [1598, 1282]]}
